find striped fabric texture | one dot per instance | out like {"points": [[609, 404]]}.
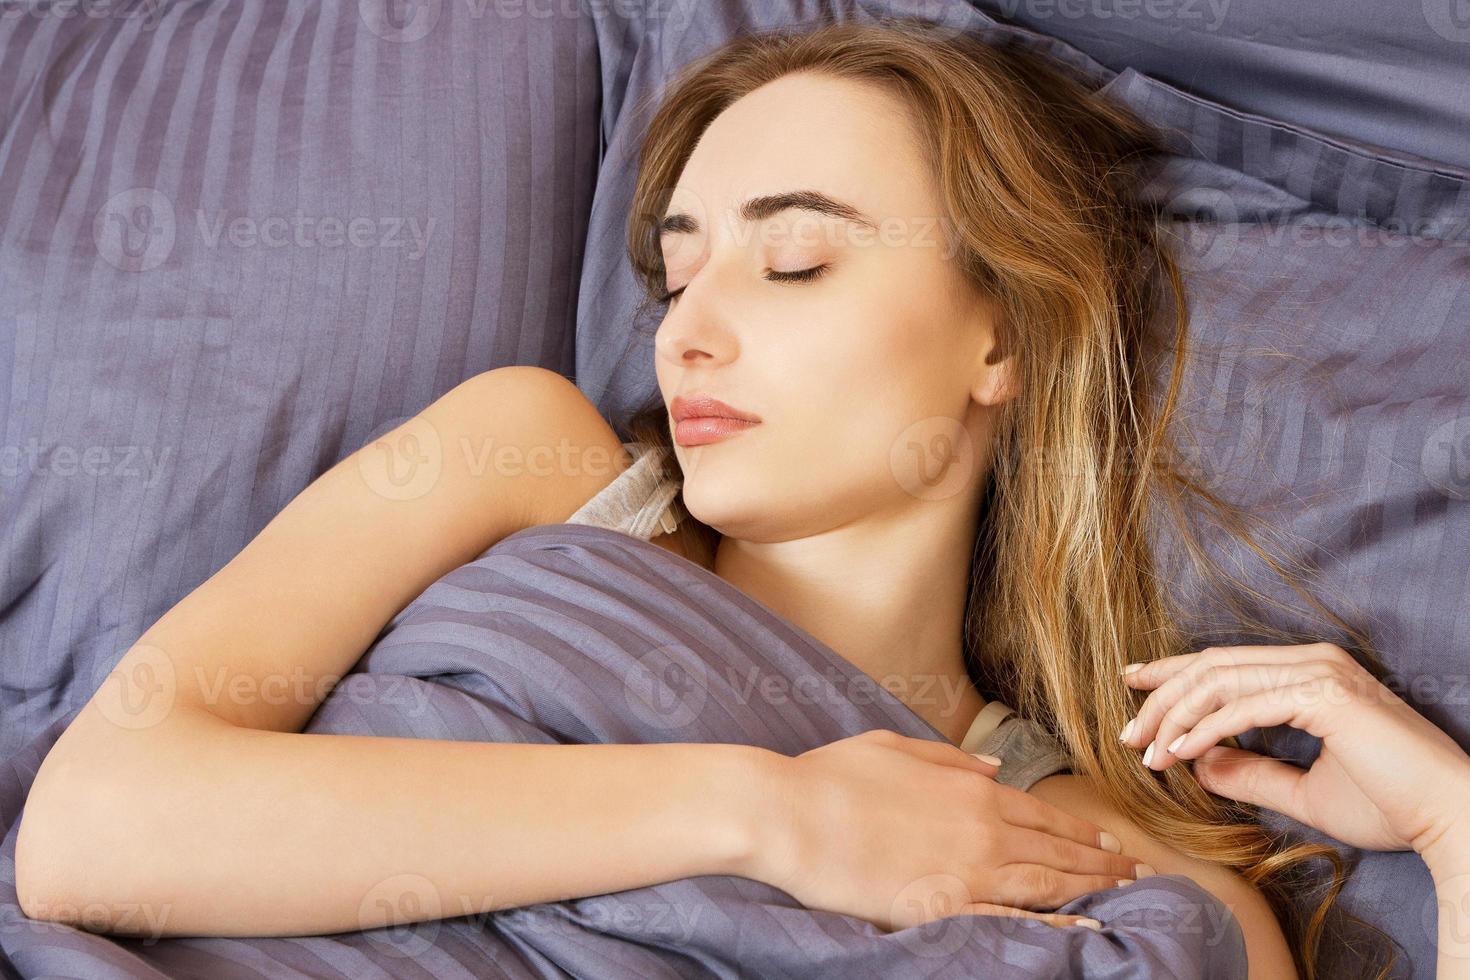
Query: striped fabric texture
{"points": [[573, 633], [237, 242]]}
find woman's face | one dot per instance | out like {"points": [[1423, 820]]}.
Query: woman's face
{"points": [[870, 376]]}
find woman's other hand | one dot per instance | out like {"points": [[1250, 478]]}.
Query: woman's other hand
{"points": [[1386, 778], [899, 831]]}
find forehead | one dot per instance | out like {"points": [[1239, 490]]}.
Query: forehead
{"points": [[852, 140]]}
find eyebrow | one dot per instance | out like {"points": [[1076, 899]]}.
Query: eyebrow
{"points": [[768, 205]]}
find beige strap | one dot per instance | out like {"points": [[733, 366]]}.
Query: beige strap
{"points": [[987, 720]]}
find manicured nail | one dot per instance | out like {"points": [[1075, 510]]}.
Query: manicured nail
{"points": [[1148, 754], [1143, 870], [1090, 923], [1130, 669], [1108, 842], [986, 758], [1174, 745], [1127, 730]]}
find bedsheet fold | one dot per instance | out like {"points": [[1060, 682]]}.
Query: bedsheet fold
{"points": [[570, 633]]}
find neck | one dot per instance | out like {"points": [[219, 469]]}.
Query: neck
{"points": [[888, 594]]}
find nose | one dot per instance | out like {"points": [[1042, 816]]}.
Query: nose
{"points": [[696, 331]]}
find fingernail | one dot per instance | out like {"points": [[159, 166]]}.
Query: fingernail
{"points": [[1127, 730], [1143, 871], [1108, 842], [986, 758], [1174, 745], [1148, 754], [1124, 881], [1090, 923], [1130, 669]]}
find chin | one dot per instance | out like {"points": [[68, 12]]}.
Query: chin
{"points": [[745, 515], [719, 505], [709, 503]]}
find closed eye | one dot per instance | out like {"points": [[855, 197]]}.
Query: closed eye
{"points": [[800, 275]]}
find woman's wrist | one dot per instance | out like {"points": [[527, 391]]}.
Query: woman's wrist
{"points": [[1447, 850], [1447, 856], [755, 804]]}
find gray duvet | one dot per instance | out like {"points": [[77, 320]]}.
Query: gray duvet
{"points": [[580, 634]]}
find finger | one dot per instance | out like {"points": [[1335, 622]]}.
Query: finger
{"points": [[1050, 918], [1040, 888], [1021, 809], [1168, 678], [1308, 705], [942, 753], [1171, 711], [1060, 854], [1252, 778], [1154, 672]]}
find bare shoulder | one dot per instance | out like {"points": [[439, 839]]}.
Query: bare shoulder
{"points": [[535, 425], [1268, 953], [553, 439]]}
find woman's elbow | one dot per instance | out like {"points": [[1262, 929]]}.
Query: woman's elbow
{"points": [[72, 826], [43, 872]]}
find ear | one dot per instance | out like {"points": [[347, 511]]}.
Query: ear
{"points": [[997, 383], [997, 378], [996, 373]]}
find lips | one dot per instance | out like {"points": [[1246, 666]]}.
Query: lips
{"points": [[703, 406], [699, 420]]}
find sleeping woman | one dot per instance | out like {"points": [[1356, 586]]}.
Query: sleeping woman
{"points": [[910, 306]]}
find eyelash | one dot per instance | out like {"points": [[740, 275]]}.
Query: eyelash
{"points": [[799, 276]]}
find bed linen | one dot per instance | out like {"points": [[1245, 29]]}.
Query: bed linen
{"points": [[573, 633], [1393, 75], [238, 241]]}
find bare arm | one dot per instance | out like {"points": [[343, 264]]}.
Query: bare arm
{"points": [[184, 799], [1448, 859], [1267, 952], [253, 833]]}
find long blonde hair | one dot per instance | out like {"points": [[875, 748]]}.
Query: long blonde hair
{"points": [[1038, 176]]}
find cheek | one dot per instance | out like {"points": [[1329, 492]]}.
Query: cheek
{"points": [[836, 359], [893, 349], [848, 383], [875, 328]]}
